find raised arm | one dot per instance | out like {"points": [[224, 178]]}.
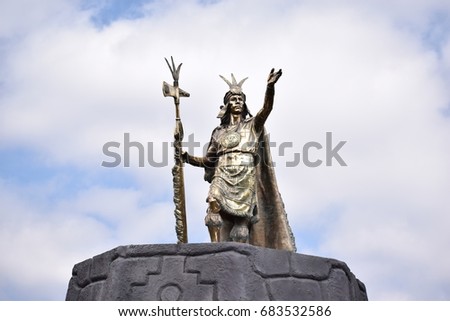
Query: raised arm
{"points": [[262, 115]]}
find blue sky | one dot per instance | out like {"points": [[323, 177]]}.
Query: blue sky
{"points": [[106, 12], [78, 74]]}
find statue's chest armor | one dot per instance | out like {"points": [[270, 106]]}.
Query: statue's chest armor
{"points": [[241, 138]]}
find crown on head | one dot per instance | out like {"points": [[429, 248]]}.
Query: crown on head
{"points": [[235, 87]]}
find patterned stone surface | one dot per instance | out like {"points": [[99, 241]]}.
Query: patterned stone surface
{"points": [[220, 271]]}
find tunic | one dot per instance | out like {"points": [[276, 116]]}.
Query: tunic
{"points": [[233, 184]]}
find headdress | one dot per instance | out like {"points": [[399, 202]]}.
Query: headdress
{"points": [[235, 89]]}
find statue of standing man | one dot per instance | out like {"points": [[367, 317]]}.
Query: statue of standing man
{"points": [[244, 204]]}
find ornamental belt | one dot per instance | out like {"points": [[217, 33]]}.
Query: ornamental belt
{"points": [[236, 159]]}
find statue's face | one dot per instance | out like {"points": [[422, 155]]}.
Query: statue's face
{"points": [[236, 104]]}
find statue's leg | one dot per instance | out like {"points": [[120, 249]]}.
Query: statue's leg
{"points": [[213, 221], [226, 228], [240, 232]]}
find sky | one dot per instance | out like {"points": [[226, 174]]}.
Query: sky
{"points": [[78, 74]]}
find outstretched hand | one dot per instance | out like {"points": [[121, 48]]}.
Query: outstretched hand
{"points": [[273, 77]]}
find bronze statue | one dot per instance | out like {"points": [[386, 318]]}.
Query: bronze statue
{"points": [[244, 202]]}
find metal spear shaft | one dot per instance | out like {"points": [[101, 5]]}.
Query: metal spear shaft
{"points": [[177, 170]]}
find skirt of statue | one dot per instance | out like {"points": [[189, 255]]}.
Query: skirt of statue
{"points": [[233, 187]]}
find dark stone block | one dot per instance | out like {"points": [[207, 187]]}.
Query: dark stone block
{"points": [[310, 267], [272, 262], [82, 270], [100, 265], [211, 271], [290, 289], [337, 286], [73, 291]]}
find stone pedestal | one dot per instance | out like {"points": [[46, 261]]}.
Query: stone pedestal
{"points": [[211, 271]]}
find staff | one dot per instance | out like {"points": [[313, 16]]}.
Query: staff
{"points": [[177, 170]]}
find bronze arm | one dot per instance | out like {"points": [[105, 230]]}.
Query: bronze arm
{"points": [[197, 161], [262, 115], [194, 160]]}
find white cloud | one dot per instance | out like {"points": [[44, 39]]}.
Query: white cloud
{"points": [[21, 16], [358, 70], [42, 241]]}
